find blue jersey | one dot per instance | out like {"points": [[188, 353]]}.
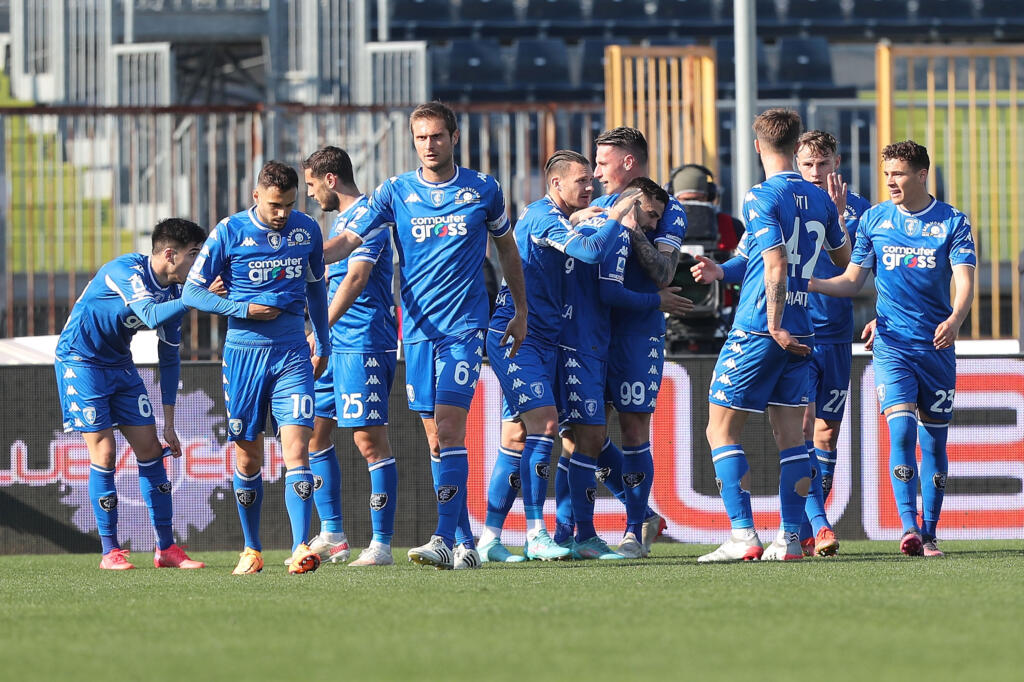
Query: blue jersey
{"points": [[832, 316], [122, 298], [912, 255], [549, 246], [441, 236], [262, 265], [784, 210], [369, 325], [670, 231]]}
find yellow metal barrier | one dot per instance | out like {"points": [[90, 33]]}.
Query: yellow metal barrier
{"points": [[668, 93], [968, 115]]}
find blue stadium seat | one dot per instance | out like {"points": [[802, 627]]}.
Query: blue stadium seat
{"points": [[620, 18], [541, 69], [693, 17], [592, 65], [805, 68], [491, 19], [725, 58], [559, 18], [421, 19], [476, 71], [881, 18]]}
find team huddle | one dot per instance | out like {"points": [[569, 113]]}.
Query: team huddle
{"points": [[577, 334]]}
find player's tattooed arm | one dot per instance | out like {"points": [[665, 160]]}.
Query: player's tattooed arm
{"points": [[659, 265], [775, 266]]}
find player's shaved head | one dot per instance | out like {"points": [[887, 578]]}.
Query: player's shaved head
{"points": [[915, 155], [650, 189], [331, 160], [630, 140], [778, 130], [176, 233], [562, 161], [819, 142], [435, 110], [279, 175]]}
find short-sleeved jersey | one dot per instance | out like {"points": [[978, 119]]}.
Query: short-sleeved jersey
{"points": [[262, 265], [912, 255], [100, 328], [542, 233], [784, 210], [833, 316], [369, 325], [441, 236], [587, 321], [670, 231]]}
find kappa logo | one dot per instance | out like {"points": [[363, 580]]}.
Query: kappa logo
{"points": [[70, 374], [730, 363], [543, 470], [653, 353], [572, 363], [903, 473], [374, 398], [653, 403], [371, 362], [575, 414], [479, 352], [108, 503], [512, 368], [74, 407], [654, 339], [725, 380], [679, 222], [374, 414], [720, 395], [886, 225], [235, 427], [437, 196], [164, 488], [591, 495], [523, 399], [89, 415], [249, 241], [634, 478], [573, 380], [515, 481], [518, 383], [574, 397], [245, 496], [413, 198], [740, 334], [590, 405], [602, 474], [939, 480], [372, 380], [537, 388], [735, 348], [653, 370], [303, 489], [446, 493], [71, 391], [653, 386], [623, 251], [378, 501], [318, 482], [274, 239]]}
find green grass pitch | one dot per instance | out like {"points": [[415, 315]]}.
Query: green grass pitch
{"points": [[869, 614]]}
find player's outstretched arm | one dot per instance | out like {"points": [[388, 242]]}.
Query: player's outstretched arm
{"points": [[594, 248], [841, 286], [200, 298], [775, 265], [946, 332], [512, 269], [155, 314]]}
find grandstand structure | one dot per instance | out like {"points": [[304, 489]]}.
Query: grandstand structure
{"points": [[132, 110]]}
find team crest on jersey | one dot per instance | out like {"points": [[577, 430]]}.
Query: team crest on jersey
{"points": [[378, 501], [318, 482], [274, 239], [936, 230], [235, 427], [164, 488], [633, 478], [245, 496], [437, 196], [903, 473], [543, 470], [537, 388], [108, 503], [89, 415], [303, 489], [590, 405], [912, 226], [446, 493], [467, 195], [299, 237], [602, 474]]}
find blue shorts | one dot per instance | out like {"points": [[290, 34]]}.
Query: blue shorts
{"points": [[828, 381], [753, 372], [527, 379], [258, 377], [97, 398], [923, 376], [580, 382], [362, 387], [443, 371], [635, 365], [323, 389]]}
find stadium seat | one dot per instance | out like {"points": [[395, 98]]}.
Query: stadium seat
{"points": [[693, 17], [880, 18], [725, 57], [476, 71], [421, 19], [491, 19], [541, 69], [592, 65], [559, 18], [622, 17], [805, 67], [817, 17]]}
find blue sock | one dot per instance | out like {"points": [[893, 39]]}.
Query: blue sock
{"points": [[565, 525], [103, 494], [638, 476], [298, 500], [464, 531], [156, 492], [827, 467], [537, 459], [383, 494], [452, 474], [903, 465], [503, 487], [814, 506], [730, 467], [609, 469], [327, 489], [583, 492], [249, 501], [794, 464], [435, 469], [806, 531], [934, 468]]}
